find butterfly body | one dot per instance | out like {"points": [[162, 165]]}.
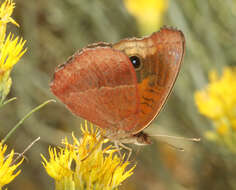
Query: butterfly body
{"points": [[121, 87]]}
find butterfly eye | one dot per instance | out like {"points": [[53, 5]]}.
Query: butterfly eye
{"points": [[136, 61]]}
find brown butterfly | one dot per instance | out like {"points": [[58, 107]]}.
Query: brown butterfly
{"points": [[121, 87]]}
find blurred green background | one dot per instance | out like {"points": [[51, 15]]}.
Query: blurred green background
{"points": [[55, 29]]}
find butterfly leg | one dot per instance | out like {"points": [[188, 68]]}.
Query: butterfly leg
{"points": [[126, 148], [117, 145]]}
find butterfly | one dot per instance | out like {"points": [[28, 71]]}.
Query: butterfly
{"points": [[121, 87]]}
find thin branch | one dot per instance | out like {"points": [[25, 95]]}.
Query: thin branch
{"points": [[26, 149], [8, 101], [25, 117]]}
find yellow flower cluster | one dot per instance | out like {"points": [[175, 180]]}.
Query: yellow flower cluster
{"points": [[218, 102], [148, 14], [10, 53], [96, 168], [7, 169], [11, 49]]}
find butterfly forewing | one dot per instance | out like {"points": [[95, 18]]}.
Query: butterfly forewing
{"points": [[161, 55]]}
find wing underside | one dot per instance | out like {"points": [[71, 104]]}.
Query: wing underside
{"points": [[99, 85]]}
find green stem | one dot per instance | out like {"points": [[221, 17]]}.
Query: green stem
{"points": [[8, 101], [25, 117]]}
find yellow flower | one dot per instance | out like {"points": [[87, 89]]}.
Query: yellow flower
{"points": [[11, 49], [96, 168], [148, 13], [7, 169], [59, 167], [6, 10], [218, 99], [218, 102], [11, 52], [59, 164], [223, 129]]}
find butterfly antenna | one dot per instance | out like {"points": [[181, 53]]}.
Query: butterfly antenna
{"points": [[178, 138]]}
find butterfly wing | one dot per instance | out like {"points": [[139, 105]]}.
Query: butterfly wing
{"points": [[99, 84], [161, 55]]}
